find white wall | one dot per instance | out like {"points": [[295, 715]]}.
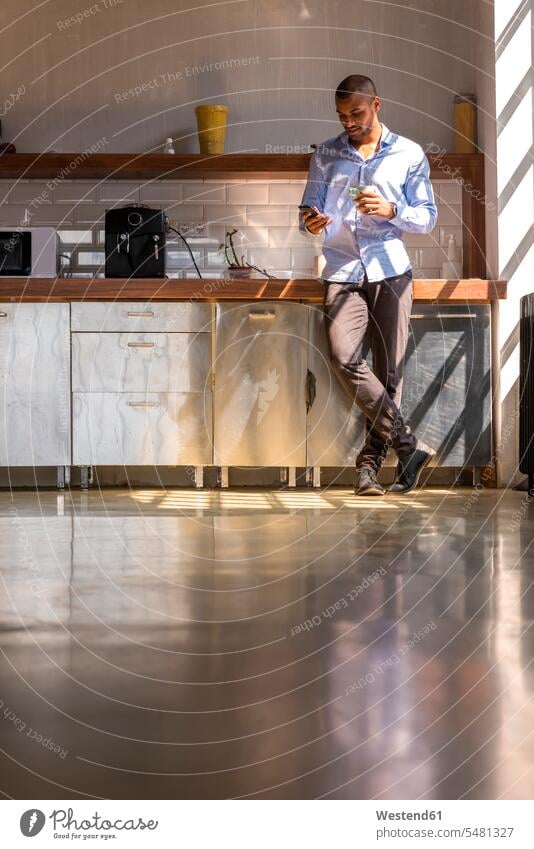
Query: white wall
{"points": [[504, 83], [420, 54]]}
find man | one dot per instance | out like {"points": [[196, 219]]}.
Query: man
{"points": [[368, 276]]}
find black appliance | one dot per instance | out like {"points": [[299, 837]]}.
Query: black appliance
{"points": [[526, 389], [15, 253], [135, 242]]}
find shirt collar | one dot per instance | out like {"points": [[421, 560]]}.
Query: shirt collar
{"points": [[387, 138]]}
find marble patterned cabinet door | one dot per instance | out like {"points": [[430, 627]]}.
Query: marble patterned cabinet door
{"points": [[34, 385], [142, 429], [141, 362]]}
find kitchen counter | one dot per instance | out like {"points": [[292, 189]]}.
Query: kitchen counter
{"points": [[308, 290], [213, 372]]}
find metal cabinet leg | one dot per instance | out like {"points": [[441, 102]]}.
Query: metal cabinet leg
{"points": [[199, 477], [222, 477], [477, 471], [67, 475], [86, 476], [60, 477], [317, 476], [292, 477], [309, 476], [283, 474]]}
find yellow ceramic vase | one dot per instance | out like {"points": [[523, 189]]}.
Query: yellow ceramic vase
{"points": [[465, 119], [211, 122]]}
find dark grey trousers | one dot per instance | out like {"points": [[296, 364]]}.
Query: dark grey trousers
{"points": [[382, 309]]}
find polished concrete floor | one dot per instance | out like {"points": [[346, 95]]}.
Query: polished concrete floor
{"points": [[266, 644]]}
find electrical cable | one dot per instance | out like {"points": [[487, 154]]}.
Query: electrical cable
{"points": [[188, 248]]}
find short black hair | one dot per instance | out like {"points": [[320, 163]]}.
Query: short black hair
{"points": [[356, 84]]}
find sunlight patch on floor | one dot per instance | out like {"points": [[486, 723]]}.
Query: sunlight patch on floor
{"points": [[276, 499]]}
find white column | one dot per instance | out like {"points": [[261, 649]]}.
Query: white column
{"points": [[504, 84]]}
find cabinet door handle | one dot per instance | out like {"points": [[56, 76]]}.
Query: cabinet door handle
{"points": [[3, 314], [262, 314], [446, 315], [146, 313], [311, 389], [140, 344], [143, 404]]}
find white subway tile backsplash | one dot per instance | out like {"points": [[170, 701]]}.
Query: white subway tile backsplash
{"points": [[286, 237], [448, 191], [211, 273], [215, 258], [6, 191], [297, 273], [268, 215], [290, 194], [303, 258], [449, 214], [161, 191], [431, 257], [427, 274], [26, 193], [248, 194], [76, 192], [185, 212], [264, 212], [76, 237], [118, 192], [45, 215], [227, 216], [182, 259], [422, 240], [202, 193], [270, 257], [91, 258], [88, 214], [252, 237]]}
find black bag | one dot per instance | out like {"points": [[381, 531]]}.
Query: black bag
{"points": [[135, 242]]}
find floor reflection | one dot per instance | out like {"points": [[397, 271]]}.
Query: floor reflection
{"points": [[267, 644]]}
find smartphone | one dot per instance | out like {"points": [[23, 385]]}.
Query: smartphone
{"points": [[313, 211]]}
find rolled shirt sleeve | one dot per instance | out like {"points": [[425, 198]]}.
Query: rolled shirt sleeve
{"points": [[417, 212]]}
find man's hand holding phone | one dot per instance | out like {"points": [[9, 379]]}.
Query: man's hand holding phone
{"points": [[314, 220]]}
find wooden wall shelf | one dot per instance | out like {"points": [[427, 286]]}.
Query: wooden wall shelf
{"points": [[181, 166]]}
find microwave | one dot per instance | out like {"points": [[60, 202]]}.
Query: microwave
{"points": [[29, 252]]}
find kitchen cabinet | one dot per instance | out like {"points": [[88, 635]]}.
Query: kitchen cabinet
{"points": [[35, 384], [142, 429], [141, 380], [137, 362], [140, 317], [447, 383], [241, 383], [260, 384], [446, 397], [335, 425]]}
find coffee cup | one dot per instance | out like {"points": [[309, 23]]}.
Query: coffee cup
{"points": [[355, 191]]}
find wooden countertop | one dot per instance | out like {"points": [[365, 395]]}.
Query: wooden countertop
{"points": [[310, 290]]}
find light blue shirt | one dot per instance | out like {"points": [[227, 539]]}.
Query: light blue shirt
{"points": [[355, 243]]}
